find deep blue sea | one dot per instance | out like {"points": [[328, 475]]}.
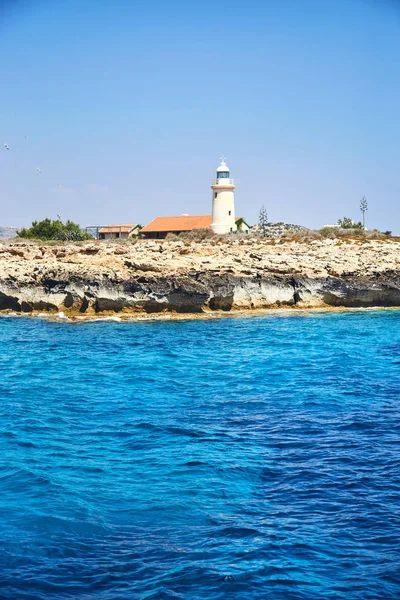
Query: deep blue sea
{"points": [[239, 458]]}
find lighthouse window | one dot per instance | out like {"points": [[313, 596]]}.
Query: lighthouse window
{"points": [[229, 213], [223, 175], [215, 194]]}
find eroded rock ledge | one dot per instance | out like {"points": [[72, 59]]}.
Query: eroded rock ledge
{"points": [[152, 277]]}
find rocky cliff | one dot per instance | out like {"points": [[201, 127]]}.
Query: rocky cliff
{"points": [[182, 277]]}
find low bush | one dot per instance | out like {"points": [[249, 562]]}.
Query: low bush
{"points": [[197, 235], [347, 232], [171, 237], [354, 233], [54, 230], [375, 235], [329, 232], [308, 235]]}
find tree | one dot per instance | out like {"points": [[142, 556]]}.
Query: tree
{"points": [[263, 220], [54, 230], [363, 208], [347, 223]]}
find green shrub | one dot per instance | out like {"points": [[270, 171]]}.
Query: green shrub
{"points": [[347, 223], [54, 230]]}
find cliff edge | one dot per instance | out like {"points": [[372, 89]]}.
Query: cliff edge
{"points": [[194, 277]]}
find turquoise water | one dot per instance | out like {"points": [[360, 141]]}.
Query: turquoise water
{"points": [[225, 459]]}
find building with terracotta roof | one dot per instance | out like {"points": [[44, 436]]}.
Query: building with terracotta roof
{"points": [[109, 232], [161, 226]]}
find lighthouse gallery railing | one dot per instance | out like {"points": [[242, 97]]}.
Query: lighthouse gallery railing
{"points": [[223, 182]]}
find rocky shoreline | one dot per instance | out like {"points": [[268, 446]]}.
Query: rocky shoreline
{"points": [[195, 278]]}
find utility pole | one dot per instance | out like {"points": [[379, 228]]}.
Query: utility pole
{"points": [[363, 208]]}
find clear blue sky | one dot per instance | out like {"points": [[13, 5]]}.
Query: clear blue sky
{"points": [[129, 104]]}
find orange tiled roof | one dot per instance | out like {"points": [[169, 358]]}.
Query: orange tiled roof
{"points": [[182, 223], [126, 228]]}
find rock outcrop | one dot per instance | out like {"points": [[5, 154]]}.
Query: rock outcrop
{"points": [[278, 229], [182, 277]]}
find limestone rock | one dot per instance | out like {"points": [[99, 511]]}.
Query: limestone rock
{"points": [[189, 278]]}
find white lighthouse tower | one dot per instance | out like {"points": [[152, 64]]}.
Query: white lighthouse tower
{"points": [[223, 201]]}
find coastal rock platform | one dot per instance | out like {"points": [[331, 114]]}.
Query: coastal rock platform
{"points": [[177, 277]]}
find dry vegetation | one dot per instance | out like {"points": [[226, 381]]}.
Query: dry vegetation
{"points": [[334, 233], [207, 235]]}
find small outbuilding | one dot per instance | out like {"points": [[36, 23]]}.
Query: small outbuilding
{"points": [[109, 232]]}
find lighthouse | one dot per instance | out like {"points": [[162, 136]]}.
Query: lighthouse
{"points": [[223, 201]]}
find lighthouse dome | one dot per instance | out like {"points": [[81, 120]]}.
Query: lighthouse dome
{"points": [[223, 167], [223, 170]]}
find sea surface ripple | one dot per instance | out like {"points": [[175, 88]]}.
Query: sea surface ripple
{"points": [[224, 459]]}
